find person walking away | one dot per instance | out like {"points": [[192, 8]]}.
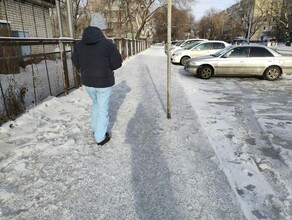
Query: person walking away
{"points": [[96, 58]]}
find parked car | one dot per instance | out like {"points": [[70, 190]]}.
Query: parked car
{"points": [[186, 43], [173, 43], [241, 60], [199, 49], [239, 41]]}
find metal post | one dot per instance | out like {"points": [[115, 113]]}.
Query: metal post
{"points": [[4, 100], [47, 70], [34, 85], [70, 17], [21, 17], [45, 21], [120, 27], [168, 57], [127, 47], [71, 25], [34, 21], [64, 67], [59, 18]]}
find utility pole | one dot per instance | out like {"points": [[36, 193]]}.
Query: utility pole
{"points": [[168, 57]]}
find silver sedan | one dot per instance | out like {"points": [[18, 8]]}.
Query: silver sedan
{"points": [[241, 60]]}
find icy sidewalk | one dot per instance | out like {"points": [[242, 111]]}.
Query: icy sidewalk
{"points": [[153, 167]]}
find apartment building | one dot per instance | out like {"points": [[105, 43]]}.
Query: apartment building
{"points": [[257, 20], [23, 19], [120, 23]]}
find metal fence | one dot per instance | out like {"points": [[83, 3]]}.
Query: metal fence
{"points": [[26, 79]]}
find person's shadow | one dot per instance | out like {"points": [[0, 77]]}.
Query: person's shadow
{"points": [[118, 96]]}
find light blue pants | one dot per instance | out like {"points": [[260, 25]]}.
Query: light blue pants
{"points": [[99, 115]]}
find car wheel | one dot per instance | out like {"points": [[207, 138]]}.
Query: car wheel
{"points": [[272, 73], [205, 72], [183, 60]]}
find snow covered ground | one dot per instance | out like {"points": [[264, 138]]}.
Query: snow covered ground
{"points": [[249, 124], [225, 154]]}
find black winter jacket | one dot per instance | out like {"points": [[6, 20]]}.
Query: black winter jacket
{"points": [[96, 57]]}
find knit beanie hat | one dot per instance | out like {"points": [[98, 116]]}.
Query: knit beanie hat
{"points": [[97, 20]]}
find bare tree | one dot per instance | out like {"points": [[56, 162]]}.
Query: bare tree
{"points": [[142, 11], [102, 7], [211, 25], [135, 15], [232, 28], [160, 25], [252, 16], [79, 16], [151, 7], [219, 23], [281, 12], [183, 24]]}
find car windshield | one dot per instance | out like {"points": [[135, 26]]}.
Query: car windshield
{"points": [[190, 46], [221, 52], [179, 43]]}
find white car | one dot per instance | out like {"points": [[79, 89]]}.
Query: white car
{"points": [[242, 60], [173, 43], [202, 49], [185, 44]]}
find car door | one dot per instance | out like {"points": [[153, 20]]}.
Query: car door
{"points": [[233, 62], [202, 49], [259, 58]]}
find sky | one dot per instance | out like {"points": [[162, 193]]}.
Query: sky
{"points": [[202, 162], [201, 6]]}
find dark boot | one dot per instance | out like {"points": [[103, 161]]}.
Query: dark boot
{"points": [[106, 139]]}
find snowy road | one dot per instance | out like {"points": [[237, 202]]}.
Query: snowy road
{"points": [[224, 155]]}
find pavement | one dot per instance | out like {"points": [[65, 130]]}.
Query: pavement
{"points": [[153, 167]]}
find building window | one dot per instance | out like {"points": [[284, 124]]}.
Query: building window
{"points": [[5, 28], [22, 50]]}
